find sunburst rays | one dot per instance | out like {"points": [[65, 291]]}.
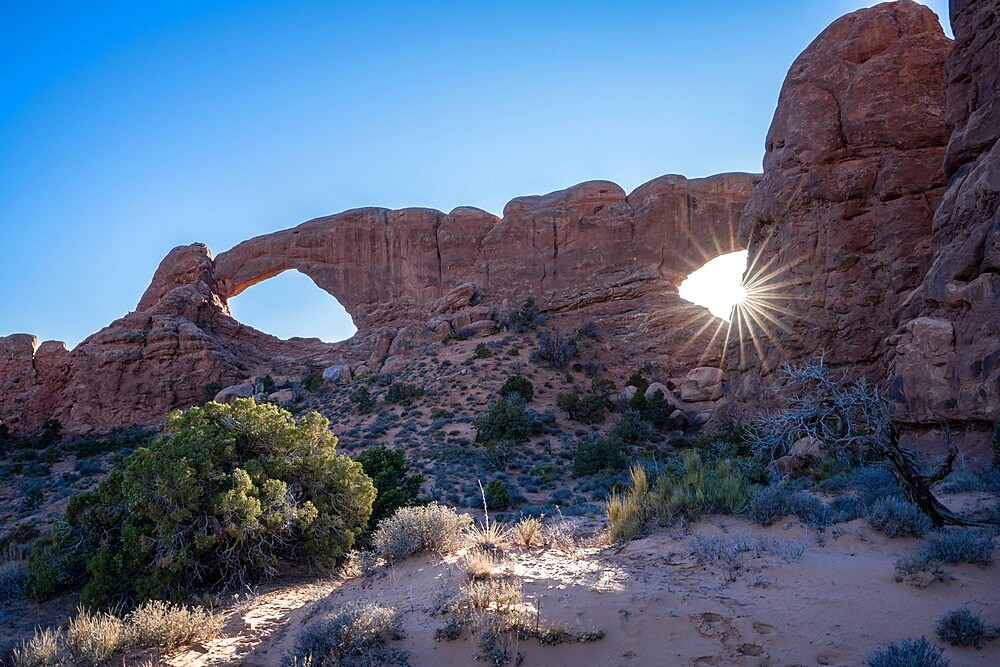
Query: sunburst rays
{"points": [[759, 319]]}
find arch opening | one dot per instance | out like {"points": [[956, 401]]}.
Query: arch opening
{"points": [[718, 284], [291, 305]]}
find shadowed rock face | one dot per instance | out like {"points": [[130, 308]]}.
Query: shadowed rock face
{"points": [[839, 228], [408, 278], [946, 359]]}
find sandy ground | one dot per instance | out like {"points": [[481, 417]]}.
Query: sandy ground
{"points": [[656, 603]]}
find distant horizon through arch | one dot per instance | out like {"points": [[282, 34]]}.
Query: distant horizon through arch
{"points": [[291, 305]]}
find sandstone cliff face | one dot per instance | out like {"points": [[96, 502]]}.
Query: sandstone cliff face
{"points": [[408, 278], [839, 228], [946, 360]]}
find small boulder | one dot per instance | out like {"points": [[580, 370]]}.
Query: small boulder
{"points": [[394, 365], [702, 384], [231, 393], [678, 419], [808, 448], [282, 397], [361, 371], [625, 397], [786, 465]]}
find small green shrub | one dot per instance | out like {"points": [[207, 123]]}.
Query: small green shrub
{"points": [[394, 487], [587, 408], [312, 381], [962, 628], [808, 509], [483, 351], [506, 420], [414, 530], [631, 428], [266, 385], [497, 495], [598, 455], [908, 652], [403, 392], [960, 545], [897, 517], [213, 503], [362, 400], [520, 385], [729, 490], [684, 495]]}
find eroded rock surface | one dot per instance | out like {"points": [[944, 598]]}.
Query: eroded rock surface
{"points": [[946, 360], [839, 228]]}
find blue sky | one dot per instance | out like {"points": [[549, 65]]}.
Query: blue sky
{"points": [[127, 128]]}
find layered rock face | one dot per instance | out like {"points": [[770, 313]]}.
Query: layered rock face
{"points": [[946, 359], [839, 228], [408, 278]]}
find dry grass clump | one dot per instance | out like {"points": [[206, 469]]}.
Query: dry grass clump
{"points": [[527, 532], [44, 649], [627, 510], [481, 564], [492, 537], [158, 624], [95, 636], [413, 530]]}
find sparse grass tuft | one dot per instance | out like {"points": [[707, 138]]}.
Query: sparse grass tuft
{"points": [[960, 545], [962, 628], [897, 517], [920, 572], [357, 636], [908, 652]]}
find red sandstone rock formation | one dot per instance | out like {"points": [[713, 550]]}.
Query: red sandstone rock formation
{"points": [[408, 278], [946, 359], [840, 224]]}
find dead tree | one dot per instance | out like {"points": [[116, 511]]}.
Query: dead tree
{"points": [[916, 485]]}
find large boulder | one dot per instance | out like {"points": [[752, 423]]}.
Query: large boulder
{"points": [[703, 384]]}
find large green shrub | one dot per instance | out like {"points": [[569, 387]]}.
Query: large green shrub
{"points": [[389, 472], [213, 503]]}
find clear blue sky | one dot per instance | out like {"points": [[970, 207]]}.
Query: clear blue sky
{"points": [[127, 128]]}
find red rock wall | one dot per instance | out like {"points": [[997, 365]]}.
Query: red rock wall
{"points": [[840, 224], [946, 358]]}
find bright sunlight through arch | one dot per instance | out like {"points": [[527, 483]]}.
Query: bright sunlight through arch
{"points": [[718, 285]]}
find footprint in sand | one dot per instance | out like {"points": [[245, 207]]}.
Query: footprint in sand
{"points": [[751, 649], [763, 628]]}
